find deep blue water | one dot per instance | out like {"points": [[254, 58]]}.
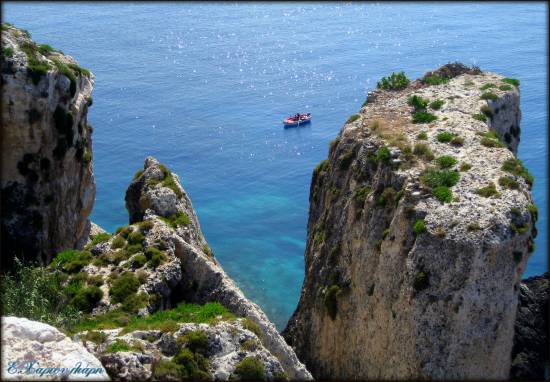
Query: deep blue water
{"points": [[203, 87]]}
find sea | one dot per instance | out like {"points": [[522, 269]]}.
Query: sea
{"points": [[203, 87]]}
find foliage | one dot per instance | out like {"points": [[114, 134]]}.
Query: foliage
{"points": [[511, 81], [422, 136], [207, 251], [446, 161], [353, 118], [435, 178], [383, 154], [443, 194], [488, 191], [417, 102], [137, 174], [419, 227], [250, 369], [196, 341], [508, 182], [361, 194], [155, 257], [516, 167], [489, 96], [457, 141], [118, 242], [488, 86], [487, 111], [396, 81], [423, 117], [8, 52], [321, 167], [72, 261], [124, 286], [437, 104], [87, 298], [100, 238], [445, 137], [177, 219], [136, 237], [435, 80], [423, 151], [331, 303], [465, 167], [480, 117], [505, 88], [118, 346], [138, 261]]}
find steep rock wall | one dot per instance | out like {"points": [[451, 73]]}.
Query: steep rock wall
{"points": [[399, 284], [47, 183]]}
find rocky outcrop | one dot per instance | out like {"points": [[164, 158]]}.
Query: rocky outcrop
{"points": [[420, 227], [35, 351], [530, 351], [47, 182], [163, 253]]}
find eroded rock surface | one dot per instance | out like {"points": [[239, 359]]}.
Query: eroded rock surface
{"points": [[47, 182], [30, 345], [413, 261]]}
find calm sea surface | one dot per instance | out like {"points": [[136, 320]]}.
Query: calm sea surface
{"points": [[203, 87]]}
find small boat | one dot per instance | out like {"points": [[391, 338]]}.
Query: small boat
{"points": [[297, 120]]}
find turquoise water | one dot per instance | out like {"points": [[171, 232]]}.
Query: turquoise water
{"points": [[203, 87]]}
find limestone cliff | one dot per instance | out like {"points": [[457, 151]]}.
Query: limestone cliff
{"points": [[47, 183], [420, 227]]}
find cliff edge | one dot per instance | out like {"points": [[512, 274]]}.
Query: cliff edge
{"points": [[420, 226], [47, 182]]}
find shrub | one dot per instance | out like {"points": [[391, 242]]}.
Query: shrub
{"points": [[196, 341], [134, 302], [177, 219], [421, 281], [138, 261], [473, 227], [508, 182], [95, 337], [443, 194], [135, 238], [118, 346], [155, 257], [457, 141], [137, 174], [321, 167], [96, 280], [250, 369], [195, 365], [36, 293], [146, 225], [488, 191], [511, 81], [465, 167], [64, 69], [437, 104], [488, 86], [168, 326], [87, 298], [124, 231], [446, 161], [480, 117], [79, 70], [417, 102], [487, 111], [489, 96], [124, 286], [207, 251], [72, 261], [164, 370], [422, 150], [422, 136], [419, 227], [361, 194], [387, 197], [434, 178], [170, 182], [100, 238], [353, 118], [435, 80], [423, 117], [383, 154], [505, 88], [118, 242], [331, 303], [396, 81], [534, 211], [516, 167], [490, 139], [445, 137], [130, 250], [8, 52]]}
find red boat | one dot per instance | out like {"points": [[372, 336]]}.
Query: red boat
{"points": [[297, 120]]}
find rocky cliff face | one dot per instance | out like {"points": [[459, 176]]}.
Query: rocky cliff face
{"points": [[47, 182], [158, 261], [530, 351], [420, 226]]}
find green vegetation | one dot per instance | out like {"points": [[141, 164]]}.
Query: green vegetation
{"points": [[135, 237], [353, 118], [508, 182], [443, 194], [422, 136], [253, 327], [87, 298], [124, 286], [387, 197], [383, 154], [80, 70], [423, 117], [489, 96], [8, 52], [100, 238], [419, 227], [182, 313], [35, 68], [72, 261], [457, 141], [417, 102], [445, 137], [321, 167], [516, 167], [194, 366], [396, 81], [155, 257], [505, 88], [434, 178], [118, 346], [446, 161], [171, 184], [465, 167], [250, 369], [118, 242], [473, 227], [138, 261], [421, 281], [137, 174], [164, 370], [437, 104], [435, 80], [488, 191], [487, 111], [196, 341], [480, 117], [36, 293], [361, 193], [176, 220], [490, 139], [86, 156], [534, 211], [488, 86], [207, 251], [64, 69], [521, 229], [423, 151], [45, 49], [95, 337], [331, 303], [511, 81]]}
